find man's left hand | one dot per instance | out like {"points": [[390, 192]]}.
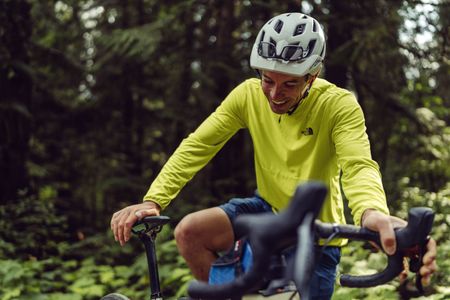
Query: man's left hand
{"points": [[385, 225]]}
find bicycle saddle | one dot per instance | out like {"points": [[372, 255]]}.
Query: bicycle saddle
{"points": [[151, 223]]}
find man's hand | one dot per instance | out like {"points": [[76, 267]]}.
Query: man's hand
{"points": [[385, 225], [123, 220]]}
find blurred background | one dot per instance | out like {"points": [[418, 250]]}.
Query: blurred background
{"points": [[95, 95]]}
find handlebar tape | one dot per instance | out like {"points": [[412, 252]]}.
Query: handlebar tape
{"points": [[395, 266]]}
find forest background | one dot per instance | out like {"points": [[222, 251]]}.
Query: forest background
{"points": [[97, 94]]}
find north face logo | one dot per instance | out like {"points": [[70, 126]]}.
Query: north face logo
{"points": [[308, 131]]}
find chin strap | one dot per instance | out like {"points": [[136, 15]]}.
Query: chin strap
{"points": [[305, 94]]}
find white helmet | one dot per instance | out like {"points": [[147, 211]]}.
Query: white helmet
{"points": [[291, 43]]}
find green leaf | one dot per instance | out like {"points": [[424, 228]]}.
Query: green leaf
{"points": [[11, 293]]}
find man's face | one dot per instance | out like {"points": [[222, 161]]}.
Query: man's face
{"points": [[282, 91]]}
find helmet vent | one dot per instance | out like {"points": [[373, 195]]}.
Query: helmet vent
{"points": [[272, 41], [305, 17], [278, 26], [262, 36], [323, 50], [299, 29], [310, 49], [315, 26]]}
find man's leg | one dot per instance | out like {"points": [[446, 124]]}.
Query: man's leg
{"points": [[200, 236], [324, 276]]}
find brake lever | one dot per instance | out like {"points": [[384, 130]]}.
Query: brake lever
{"points": [[422, 251], [415, 256]]}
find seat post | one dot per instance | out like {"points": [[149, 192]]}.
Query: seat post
{"points": [[149, 242]]}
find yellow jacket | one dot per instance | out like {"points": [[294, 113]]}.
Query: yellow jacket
{"points": [[325, 135]]}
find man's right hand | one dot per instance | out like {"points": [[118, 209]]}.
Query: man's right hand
{"points": [[123, 220]]}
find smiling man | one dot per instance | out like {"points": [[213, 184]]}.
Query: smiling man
{"points": [[303, 128], [284, 92]]}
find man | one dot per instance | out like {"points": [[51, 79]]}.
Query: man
{"points": [[303, 128]]}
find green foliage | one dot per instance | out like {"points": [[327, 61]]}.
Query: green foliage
{"points": [[131, 45], [174, 273], [83, 272], [30, 227], [31, 279]]}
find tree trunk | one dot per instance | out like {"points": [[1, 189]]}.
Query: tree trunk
{"points": [[339, 33], [15, 93]]}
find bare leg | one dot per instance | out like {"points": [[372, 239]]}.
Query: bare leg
{"points": [[200, 236]]}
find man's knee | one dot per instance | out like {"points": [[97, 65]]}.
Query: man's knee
{"points": [[209, 229], [185, 232]]}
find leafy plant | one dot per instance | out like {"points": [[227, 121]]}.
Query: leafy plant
{"points": [[30, 227]]}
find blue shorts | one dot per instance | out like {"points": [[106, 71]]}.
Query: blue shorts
{"points": [[327, 258]]}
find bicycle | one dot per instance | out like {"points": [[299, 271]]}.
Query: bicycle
{"points": [[268, 234]]}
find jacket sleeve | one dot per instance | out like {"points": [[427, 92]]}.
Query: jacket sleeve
{"points": [[361, 178], [198, 149]]}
